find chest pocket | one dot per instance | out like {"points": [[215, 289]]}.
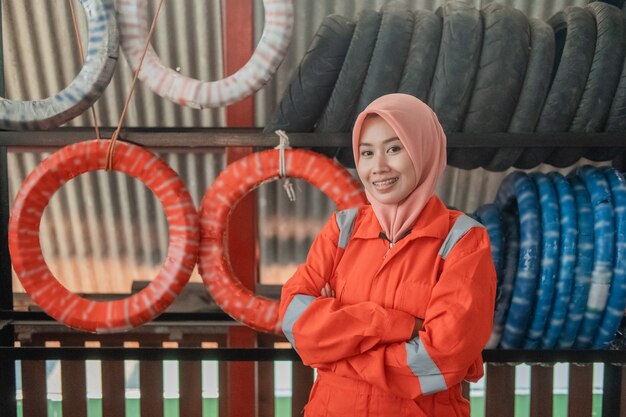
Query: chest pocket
{"points": [[414, 291], [414, 295]]}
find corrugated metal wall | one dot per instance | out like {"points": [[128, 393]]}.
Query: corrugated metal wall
{"points": [[103, 230]]}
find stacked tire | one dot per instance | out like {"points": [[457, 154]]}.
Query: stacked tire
{"points": [[481, 71], [559, 248]]}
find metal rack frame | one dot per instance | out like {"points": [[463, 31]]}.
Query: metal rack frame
{"points": [[186, 139]]}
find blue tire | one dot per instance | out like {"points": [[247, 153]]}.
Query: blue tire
{"points": [[518, 190], [617, 298], [603, 254], [551, 234], [567, 260]]}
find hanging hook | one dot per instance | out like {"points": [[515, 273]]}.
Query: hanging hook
{"points": [[282, 169]]}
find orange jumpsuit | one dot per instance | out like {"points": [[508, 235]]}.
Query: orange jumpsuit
{"points": [[360, 340]]}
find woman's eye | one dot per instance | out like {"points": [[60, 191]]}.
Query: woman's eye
{"points": [[366, 153], [394, 149]]}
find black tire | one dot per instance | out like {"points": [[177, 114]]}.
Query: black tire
{"points": [[533, 94], [457, 63], [617, 3], [385, 68], [420, 64], [606, 67], [577, 26], [617, 113], [575, 40], [311, 86], [339, 113], [500, 76], [390, 53]]}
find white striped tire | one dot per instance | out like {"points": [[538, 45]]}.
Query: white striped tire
{"points": [[33, 272], [84, 90], [237, 180], [198, 94]]}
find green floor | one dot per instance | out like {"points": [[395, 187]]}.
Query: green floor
{"points": [[283, 407]]}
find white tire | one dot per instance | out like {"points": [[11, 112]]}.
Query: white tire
{"points": [[185, 91]]}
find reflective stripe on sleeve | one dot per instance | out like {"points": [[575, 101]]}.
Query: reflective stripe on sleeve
{"points": [[345, 221], [462, 225], [430, 378], [296, 307]]}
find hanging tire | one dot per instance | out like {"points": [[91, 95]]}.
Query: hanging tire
{"points": [[595, 103], [232, 185], [500, 76], [34, 274], [312, 84], [197, 94], [84, 90]]}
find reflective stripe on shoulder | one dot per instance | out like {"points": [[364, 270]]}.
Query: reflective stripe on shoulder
{"points": [[430, 377], [345, 221], [462, 225], [296, 307]]}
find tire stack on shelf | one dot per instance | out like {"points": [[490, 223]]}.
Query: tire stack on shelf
{"points": [[559, 243], [481, 71], [559, 248]]}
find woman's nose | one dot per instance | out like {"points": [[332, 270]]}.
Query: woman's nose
{"points": [[381, 164]]}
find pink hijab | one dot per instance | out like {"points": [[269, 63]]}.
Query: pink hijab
{"points": [[421, 134]]}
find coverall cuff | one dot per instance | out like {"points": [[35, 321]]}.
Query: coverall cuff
{"points": [[399, 327]]}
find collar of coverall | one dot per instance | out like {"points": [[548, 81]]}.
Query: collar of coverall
{"points": [[433, 221]]}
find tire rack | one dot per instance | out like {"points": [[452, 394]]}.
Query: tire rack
{"points": [[500, 363]]}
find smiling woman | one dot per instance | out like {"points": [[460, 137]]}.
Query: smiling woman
{"points": [[395, 301]]}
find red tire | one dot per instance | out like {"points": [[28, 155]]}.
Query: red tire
{"points": [[34, 274], [232, 185]]}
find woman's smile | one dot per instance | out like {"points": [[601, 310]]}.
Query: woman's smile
{"points": [[385, 184]]}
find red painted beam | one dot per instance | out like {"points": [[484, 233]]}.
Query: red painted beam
{"points": [[241, 381], [238, 23]]}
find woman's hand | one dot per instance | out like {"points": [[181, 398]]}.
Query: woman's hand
{"points": [[418, 326], [327, 291]]}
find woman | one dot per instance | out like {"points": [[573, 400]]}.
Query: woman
{"points": [[395, 301]]}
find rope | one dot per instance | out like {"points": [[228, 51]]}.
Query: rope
{"points": [[82, 62], [109, 161], [282, 168]]}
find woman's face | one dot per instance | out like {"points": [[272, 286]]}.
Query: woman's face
{"points": [[384, 165]]}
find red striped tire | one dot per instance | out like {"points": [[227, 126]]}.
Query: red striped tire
{"points": [[169, 84], [237, 180], [50, 294]]}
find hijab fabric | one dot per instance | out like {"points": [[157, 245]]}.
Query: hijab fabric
{"points": [[422, 136]]}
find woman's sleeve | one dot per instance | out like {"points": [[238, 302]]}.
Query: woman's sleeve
{"points": [[456, 328], [321, 329]]}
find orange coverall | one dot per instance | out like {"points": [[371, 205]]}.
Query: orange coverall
{"points": [[360, 341]]}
